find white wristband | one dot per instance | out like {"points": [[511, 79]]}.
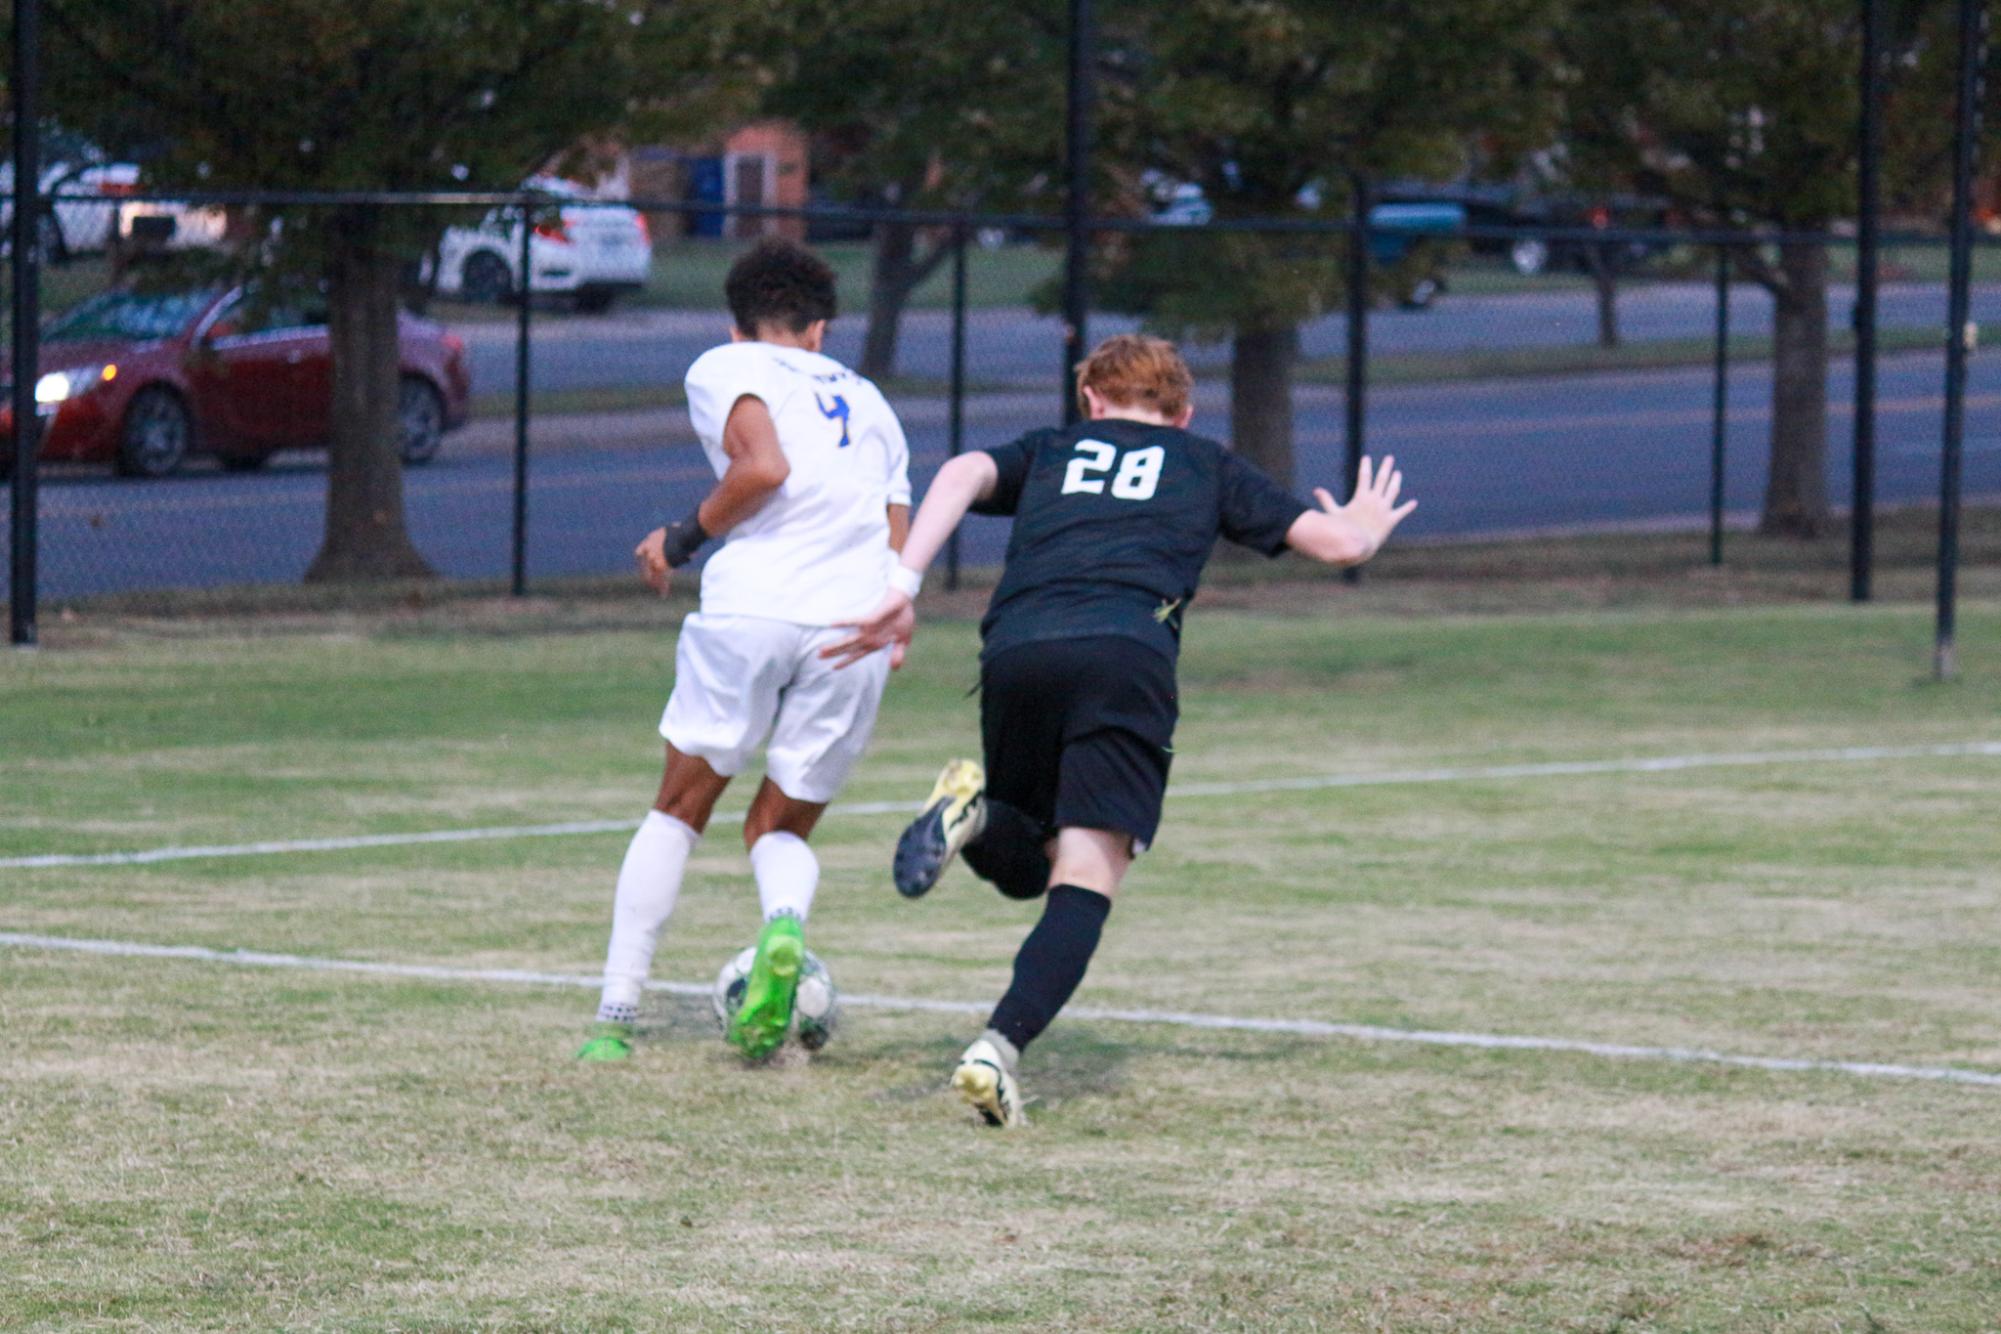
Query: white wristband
{"points": [[905, 580]]}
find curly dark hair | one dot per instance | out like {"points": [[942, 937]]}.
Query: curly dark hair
{"points": [[779, 282]]}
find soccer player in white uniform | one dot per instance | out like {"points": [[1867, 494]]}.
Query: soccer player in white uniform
{"points": [[813, 501]]}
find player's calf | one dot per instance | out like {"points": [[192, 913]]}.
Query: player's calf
{"points": [[1011, 853], [1047, 969], [649, 882], [1051, 963]]}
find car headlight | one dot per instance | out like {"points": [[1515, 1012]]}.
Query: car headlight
{"points": [[61, 386]]}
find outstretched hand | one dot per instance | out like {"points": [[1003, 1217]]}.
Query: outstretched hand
{"points": [[889, 626], [1373, 508]]}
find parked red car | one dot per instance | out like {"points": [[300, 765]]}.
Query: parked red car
{"points": [[144, 379]]}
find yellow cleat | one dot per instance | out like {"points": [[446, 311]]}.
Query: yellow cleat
{"points": [[954, 815], [988, 1086]]}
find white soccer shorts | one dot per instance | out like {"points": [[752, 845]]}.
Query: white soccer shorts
{"points": [[739, 679]]}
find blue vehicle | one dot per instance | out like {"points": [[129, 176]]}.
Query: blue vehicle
{"points": [[1396, 231], [1395, 228]]}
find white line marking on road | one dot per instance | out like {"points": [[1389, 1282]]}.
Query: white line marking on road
{"points": [[1247, 787], [118, 504], [1172, 1018], [1489, 426]]}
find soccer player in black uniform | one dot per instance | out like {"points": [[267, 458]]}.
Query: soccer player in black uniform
{"points": [[1114, 519]]}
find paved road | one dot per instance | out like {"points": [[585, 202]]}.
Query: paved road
{"points": [[1484, 457], [1016, 348]]}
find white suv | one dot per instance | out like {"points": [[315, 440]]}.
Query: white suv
{"points": [[74, 226], [590, 251]]}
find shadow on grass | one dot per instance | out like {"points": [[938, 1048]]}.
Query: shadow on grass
{"points": [[673, 1018], [1062, 1066], [1077, 1063]]}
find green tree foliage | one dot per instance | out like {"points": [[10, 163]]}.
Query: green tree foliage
{"points": [[923, 104], [1743, 112], [370, 95], [1271, 106]]}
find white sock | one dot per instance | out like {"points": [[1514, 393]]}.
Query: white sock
{"points": [[648, 883], [787, 874], [1009, 1053]]}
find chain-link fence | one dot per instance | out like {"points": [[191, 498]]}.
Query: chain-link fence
{"points": [[1531, 381]]}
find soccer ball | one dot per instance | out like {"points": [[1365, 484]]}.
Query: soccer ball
{"points": [[816, 1008]]}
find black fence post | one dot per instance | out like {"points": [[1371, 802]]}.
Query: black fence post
{"points": [[1720, 407], [1077, 207], [1862, 512], [523, 289], [23, 583], [1966, 130], [1358, 347], [955, 431]]}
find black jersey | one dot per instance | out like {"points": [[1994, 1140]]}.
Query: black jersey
{"points": [[1113, 522]]}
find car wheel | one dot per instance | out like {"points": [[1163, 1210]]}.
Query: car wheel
{"points": [[243, 462], [595, 303], [420, 420], [49, 248], [157, 434], [1529, 255], [1421, 294], [485, 278], [48, 241]]}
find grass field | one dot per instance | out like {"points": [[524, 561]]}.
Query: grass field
{"points": [[1502, 362], [190, 1144], [687, 274]]}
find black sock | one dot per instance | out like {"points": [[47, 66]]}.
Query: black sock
{"points": [[1051, 962], [1009, 854]]}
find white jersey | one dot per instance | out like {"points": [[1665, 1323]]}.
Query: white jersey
{"points": [[818, 552]]}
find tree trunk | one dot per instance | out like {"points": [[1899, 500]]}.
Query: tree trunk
{"points": [[899, 270], [1796, 491], [889, 287], [1605, 280], [1261, 363], [366, 537]]}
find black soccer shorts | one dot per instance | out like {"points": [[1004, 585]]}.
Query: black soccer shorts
{"points": [[1078, 733]]}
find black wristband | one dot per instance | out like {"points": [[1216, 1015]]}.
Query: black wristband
{"points": [[684, 539]]}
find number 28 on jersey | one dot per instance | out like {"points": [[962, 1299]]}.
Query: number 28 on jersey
{"points": [[1133, 475]]}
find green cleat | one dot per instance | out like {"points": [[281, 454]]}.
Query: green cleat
{"points": [[608, 1042], [766, 1012]]}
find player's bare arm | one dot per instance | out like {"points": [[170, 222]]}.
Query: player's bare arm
{"points": [[959, 485], [1350, 534], [757, 469], [899, 535]]}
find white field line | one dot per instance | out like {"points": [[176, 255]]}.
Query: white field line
{"points": [[1230, 1023], [1309, 783], [349, 842]]}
